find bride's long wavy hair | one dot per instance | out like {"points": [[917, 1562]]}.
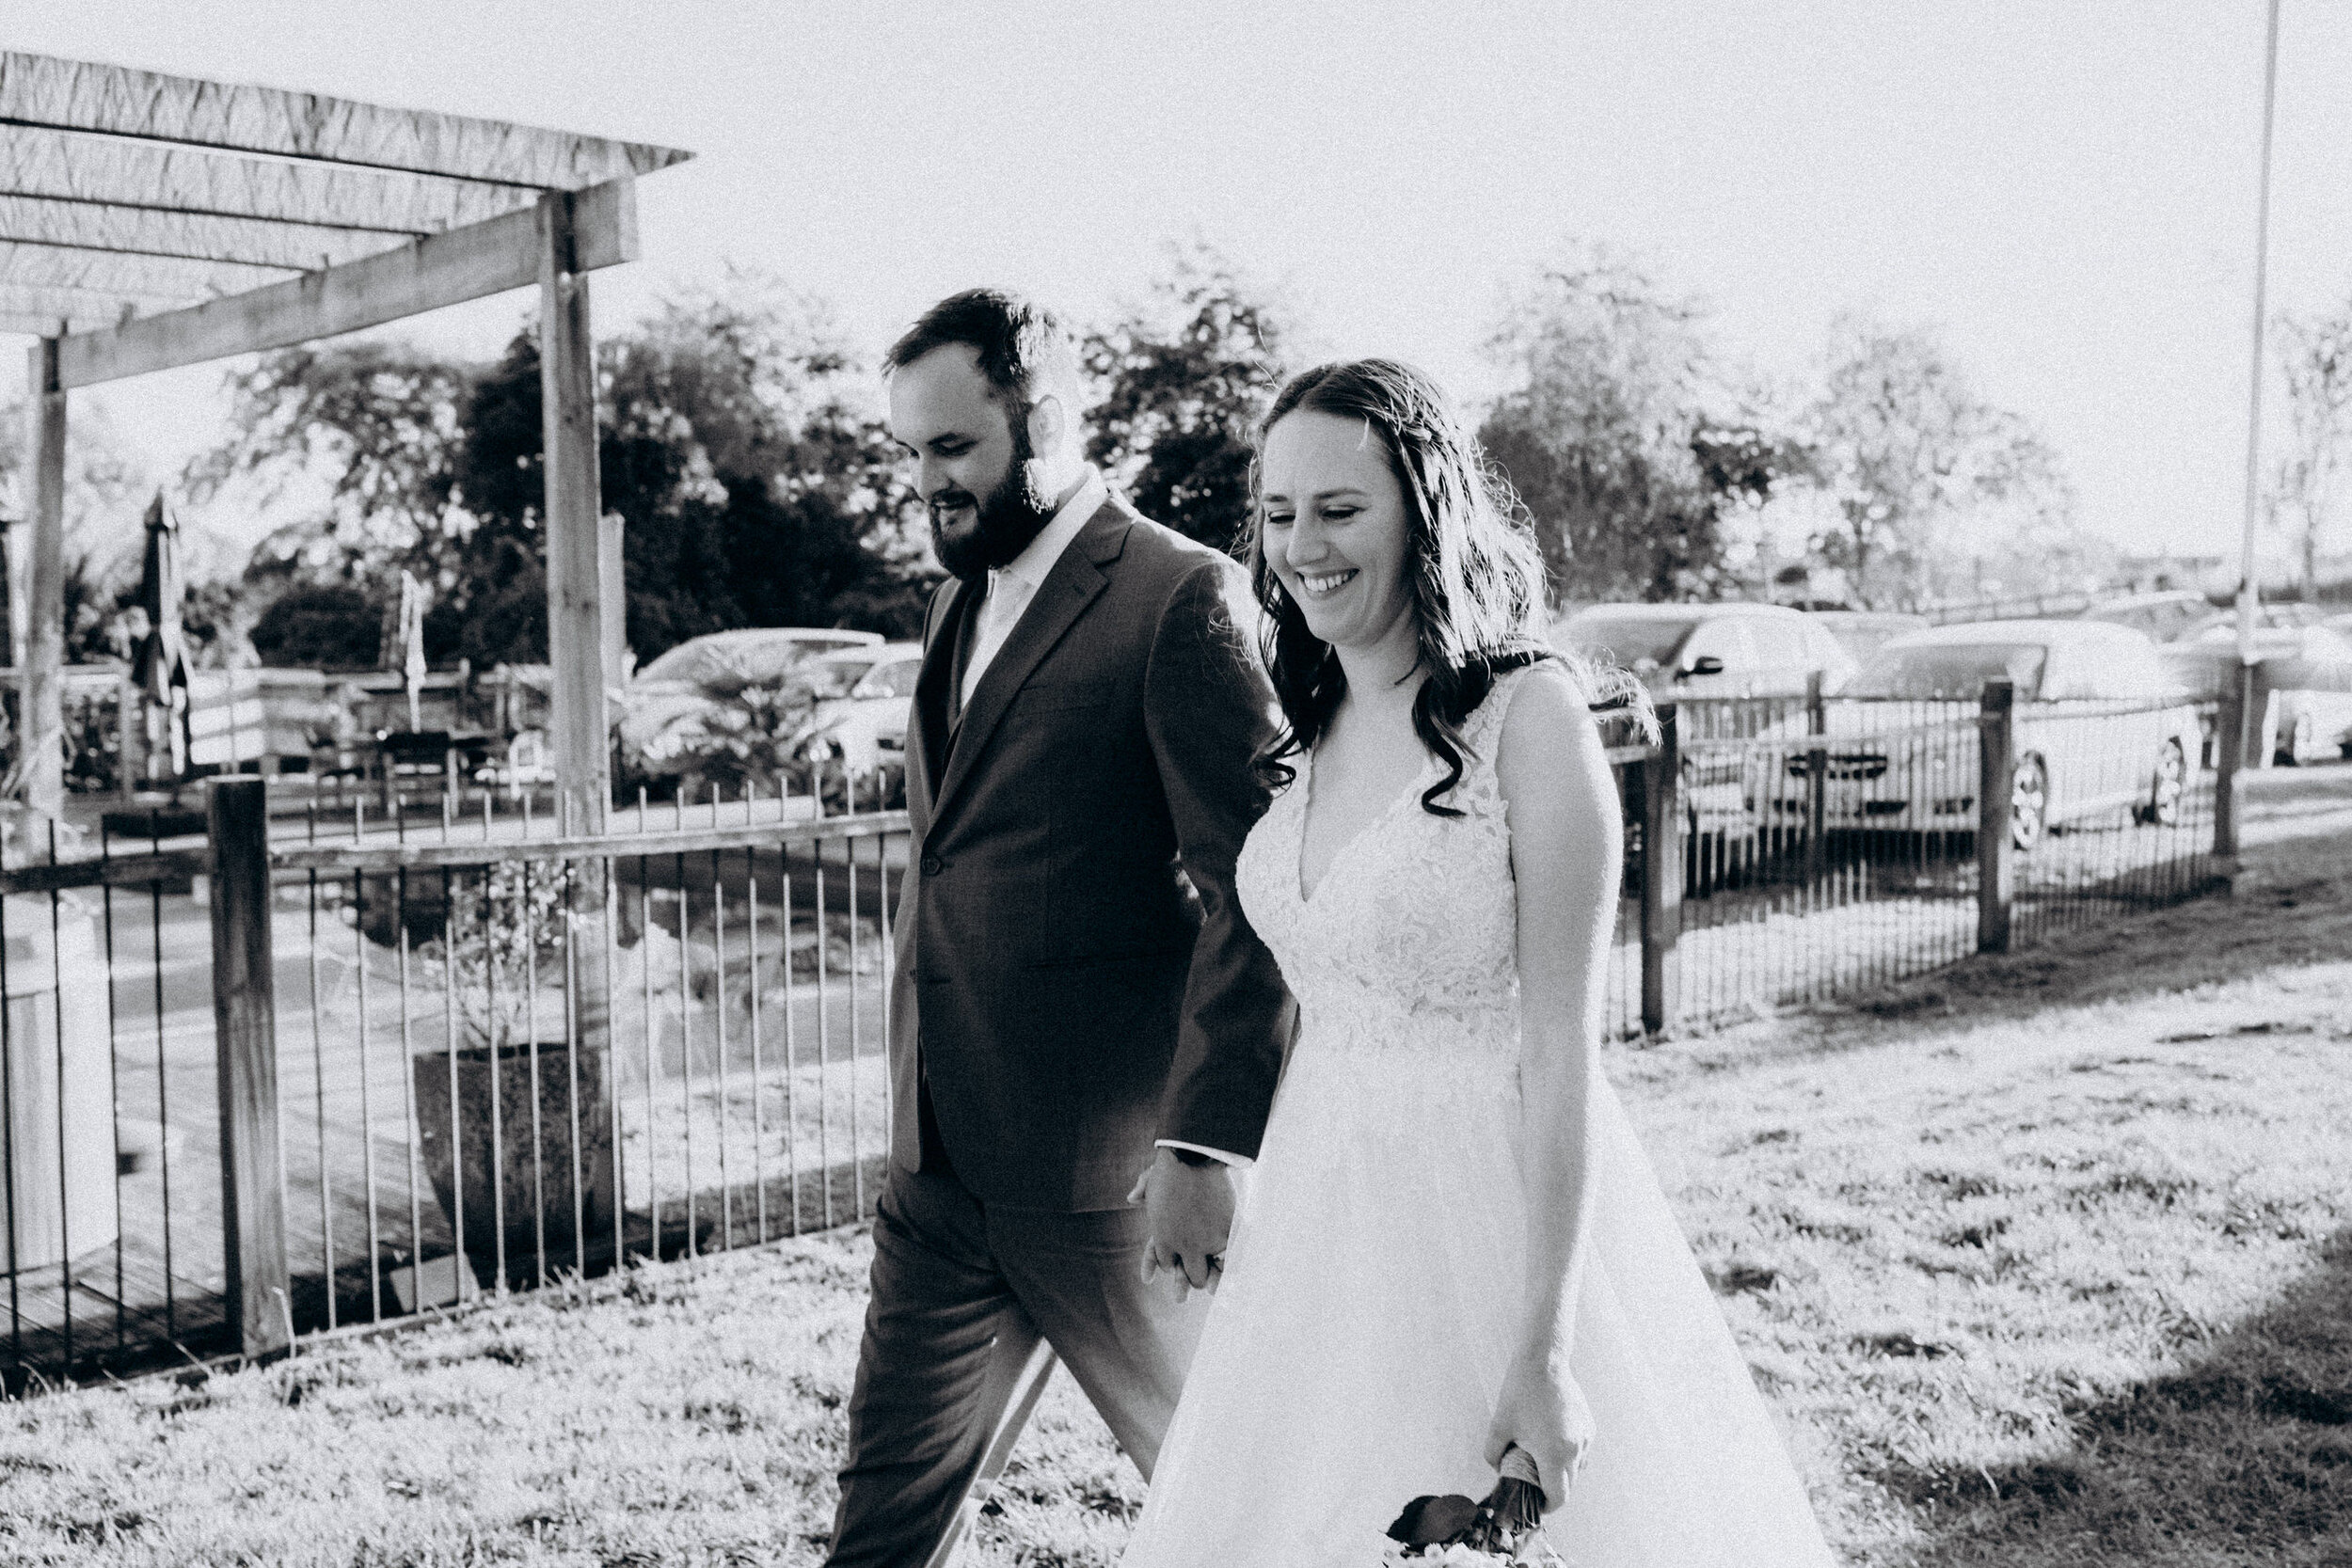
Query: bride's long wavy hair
{"points": [[1475, 578]]}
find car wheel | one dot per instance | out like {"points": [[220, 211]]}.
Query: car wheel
{"points": [[2164, 801], [2028, 802]]}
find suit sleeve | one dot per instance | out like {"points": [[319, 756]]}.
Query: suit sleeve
{"points": [[1208, 709]]}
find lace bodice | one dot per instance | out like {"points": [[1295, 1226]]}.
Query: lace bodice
{"points": [[1412, 925]]}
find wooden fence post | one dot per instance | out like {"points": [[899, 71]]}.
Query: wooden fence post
{"points": [[1997, 867], [245, 1022], [1661, 871], [1817, 785], [2229, 750]]}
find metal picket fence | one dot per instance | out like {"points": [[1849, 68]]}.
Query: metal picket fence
{"points": [[291, 1068], [265, 1084]]}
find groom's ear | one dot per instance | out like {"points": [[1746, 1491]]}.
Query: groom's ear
{"points": [[1049, 426]]}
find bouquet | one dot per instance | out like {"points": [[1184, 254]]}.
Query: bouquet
{"points": [[1505, 1530]]}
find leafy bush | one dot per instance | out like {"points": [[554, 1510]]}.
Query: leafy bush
{"points": [[746, 732], [504, 931], [331, 626]]}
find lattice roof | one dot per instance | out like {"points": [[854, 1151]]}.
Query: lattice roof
{"points": [[126, 194]]}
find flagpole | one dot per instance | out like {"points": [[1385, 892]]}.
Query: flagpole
{"points": [[2249, 591]]}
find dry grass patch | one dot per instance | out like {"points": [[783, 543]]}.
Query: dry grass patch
{"points": [[2044, 1262]]}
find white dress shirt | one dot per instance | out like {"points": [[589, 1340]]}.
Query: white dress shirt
{"points": [[1010, 588]]}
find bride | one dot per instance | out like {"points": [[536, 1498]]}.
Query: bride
{"points": [[1452, 1244]]}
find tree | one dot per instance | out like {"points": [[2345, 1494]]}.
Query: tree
{"points": [[1910, 456], [752, 490], [2315, 353], [1185, 381], [1608, 439], [104, 482], [328, 626], [377, 421]]}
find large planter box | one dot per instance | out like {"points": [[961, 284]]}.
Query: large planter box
{"points": [[528, 1196]]}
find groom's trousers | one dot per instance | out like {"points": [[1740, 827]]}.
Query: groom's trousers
{"points": [[960, 1291]]}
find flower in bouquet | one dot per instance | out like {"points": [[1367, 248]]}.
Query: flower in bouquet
{"points": [[1503, 1529]]}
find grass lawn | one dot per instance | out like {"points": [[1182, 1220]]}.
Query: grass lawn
{"points": [[2043, 1261]]}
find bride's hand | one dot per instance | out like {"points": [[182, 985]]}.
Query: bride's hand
{"points": [[1543, 1411]]}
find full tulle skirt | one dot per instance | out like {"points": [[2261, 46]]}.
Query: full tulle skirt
{"points": [[1366, 1319]]}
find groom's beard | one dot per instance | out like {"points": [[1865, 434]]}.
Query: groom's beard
{"points": [[1003, 521]]}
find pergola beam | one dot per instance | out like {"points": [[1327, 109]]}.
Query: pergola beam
{"points": [[78, 95], [186, 236], [473, 262], [45, 266], [82, 307], [68, 167]]}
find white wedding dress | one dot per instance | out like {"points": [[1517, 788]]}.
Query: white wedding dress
{"points": [[1352, 1357]]}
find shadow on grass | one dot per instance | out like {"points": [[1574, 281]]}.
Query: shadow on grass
{"points": [[2244, 1458]]}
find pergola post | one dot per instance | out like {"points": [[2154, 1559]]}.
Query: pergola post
{"points": [[577, 555], [42, 709], [583, 577]]}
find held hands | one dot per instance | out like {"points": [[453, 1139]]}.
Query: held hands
{"points": [[1190, 1212], [1543, 1411]]}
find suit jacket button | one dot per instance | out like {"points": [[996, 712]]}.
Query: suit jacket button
{"points": [[932, 865]]}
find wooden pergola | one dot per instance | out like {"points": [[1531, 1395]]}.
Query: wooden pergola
{"points": [[151, 221]]}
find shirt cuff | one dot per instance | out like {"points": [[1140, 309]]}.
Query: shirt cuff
{"points": [[1220, 1156]]}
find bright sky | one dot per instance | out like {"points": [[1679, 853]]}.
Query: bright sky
{"points": [[2065, 192]]}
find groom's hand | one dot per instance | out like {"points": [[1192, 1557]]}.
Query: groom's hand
{"points": [[1190, 1210]]}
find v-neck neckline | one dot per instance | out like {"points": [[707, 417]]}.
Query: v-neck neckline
{"points": [[1306, 813]]}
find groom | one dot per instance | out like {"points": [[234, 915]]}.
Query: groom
{"points": [[1074, 983]]}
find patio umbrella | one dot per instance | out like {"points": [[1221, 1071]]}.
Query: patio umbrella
{"points": [[161, 668], [412, 644]]}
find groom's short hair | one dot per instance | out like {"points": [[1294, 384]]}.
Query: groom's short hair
{"points": [[1023, 349]]}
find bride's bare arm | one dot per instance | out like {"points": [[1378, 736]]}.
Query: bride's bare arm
{"points": [[1565, 856]]}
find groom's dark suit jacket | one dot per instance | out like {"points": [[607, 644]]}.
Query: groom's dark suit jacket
{"points": [[1074, 979]]}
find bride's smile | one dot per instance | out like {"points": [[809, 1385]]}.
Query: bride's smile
{"points": [[1335, 533]]}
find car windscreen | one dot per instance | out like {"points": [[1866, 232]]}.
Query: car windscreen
{"points": [[698, 661], [835, 677], [1862, 639], [1952, 671], [688, 662], [1628, 638]]}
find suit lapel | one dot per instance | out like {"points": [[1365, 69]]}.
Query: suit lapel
{"points": [[934, 703], [1075, 581]]}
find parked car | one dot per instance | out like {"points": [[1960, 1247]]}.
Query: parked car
{"points": [[2287, 615], [1691, 653], [2099, 728], [1711, 650], [669, 693], [1861, 631], [865, 696], [2166, 616], [2305, 674]]}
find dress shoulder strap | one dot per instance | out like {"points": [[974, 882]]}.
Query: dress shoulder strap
{"points": [[1483, 729], [1482, 741]]}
